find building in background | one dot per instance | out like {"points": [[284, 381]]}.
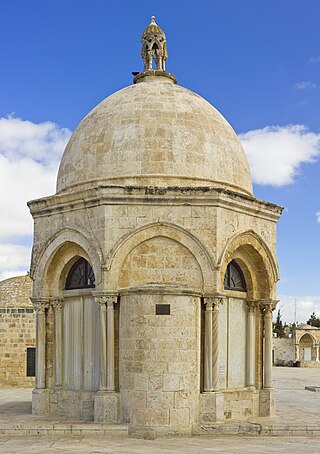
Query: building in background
{"points": [[17, 333], [301, 348]]}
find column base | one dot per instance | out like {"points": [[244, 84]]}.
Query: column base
{"points": [[107, 407], [267, 402], [40, 401], [211, 407]]}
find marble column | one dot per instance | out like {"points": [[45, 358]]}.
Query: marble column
{"points": [[111, 301], [250, 367], [317, 352], [211, 344], [102, 343], [57, 304], [106, 401], [40, 305], [207, 378], [107, 367], [267, 373]]}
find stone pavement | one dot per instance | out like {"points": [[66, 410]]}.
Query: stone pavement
{"points": [[298, 414]]}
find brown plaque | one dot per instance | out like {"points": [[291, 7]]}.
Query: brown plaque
{"points": [[162, 309]]}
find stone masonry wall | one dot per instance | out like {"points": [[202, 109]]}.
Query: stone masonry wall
{"points": [[17, 331]]}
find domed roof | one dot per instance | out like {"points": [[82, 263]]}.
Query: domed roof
{"points": [[153, 29], [306, 326], [154, 133], [16, 292]]}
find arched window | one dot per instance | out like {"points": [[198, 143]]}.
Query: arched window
{"points": [[80, 276], [234, 278]]}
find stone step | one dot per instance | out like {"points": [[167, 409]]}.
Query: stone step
{"points": [[257, 429], [47, 428]]}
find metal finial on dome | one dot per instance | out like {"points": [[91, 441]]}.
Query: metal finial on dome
{"points": [[154, 47]]}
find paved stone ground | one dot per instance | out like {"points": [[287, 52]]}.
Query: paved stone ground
{"points": [[296, 406]]}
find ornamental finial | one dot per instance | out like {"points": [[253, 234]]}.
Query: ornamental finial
{"points": [[154, 47]]}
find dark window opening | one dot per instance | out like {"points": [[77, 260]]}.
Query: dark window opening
{"points": [[234, 278], [31, 362], [80, 276]]}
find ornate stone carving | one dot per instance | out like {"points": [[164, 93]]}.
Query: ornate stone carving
{"points": [[40, 304], [57, 303], [154, 47]]}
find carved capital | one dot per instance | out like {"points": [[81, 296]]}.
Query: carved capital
{"points": [[40, 304], [212, 302], [57, 303], [268, 307], [106, 300], [252, 305]]}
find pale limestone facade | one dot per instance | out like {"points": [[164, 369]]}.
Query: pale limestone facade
{"points": [[283, 351], [17, 331], [303, 346], [154, 191]]}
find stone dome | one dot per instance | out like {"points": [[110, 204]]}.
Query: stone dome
{"points": [[154, 133]]}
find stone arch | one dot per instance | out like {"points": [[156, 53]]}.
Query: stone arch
{"points": [[308, 338], [58, 255], [254, 257], [176, 233]]}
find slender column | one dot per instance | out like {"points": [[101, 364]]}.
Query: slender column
{"points": [[250, 370], [207, 379], [297, 353], [211, 345], [111, 300], [317, 352], [107, 369], [102, 343], [268, 308], [40, 305], [57, 304]]}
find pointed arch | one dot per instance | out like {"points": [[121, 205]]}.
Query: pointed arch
{"points": [[256, 260], [57, 256], [306, 335], [174, 232]]}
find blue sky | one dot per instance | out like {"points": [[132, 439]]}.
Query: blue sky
{"points": [[258, 62]]}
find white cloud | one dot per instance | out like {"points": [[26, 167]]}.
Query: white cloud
{"points": [[318, 216], [29, 159], [14, 260], [275, 153], [304, 85], [302, 306], [314, 59]]}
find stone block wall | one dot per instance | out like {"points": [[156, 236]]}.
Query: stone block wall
{"points": [[283, 350], [17, 331], [159, 362]]}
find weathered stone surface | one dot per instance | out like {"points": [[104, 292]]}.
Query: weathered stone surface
{"points": [[154, 192], [17, 330]]}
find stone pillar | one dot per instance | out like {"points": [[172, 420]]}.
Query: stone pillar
{"points": [[207, 378], [106, 401], [211, 344], [297, 352], [40, 306], [57, 304], [211, 401], [111, 300], [40, 395], [267, 398], [250, 367], [102, 343], [267, 370], [317, 352]]}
